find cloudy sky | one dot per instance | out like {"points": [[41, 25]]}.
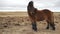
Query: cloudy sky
{"points": [[21, 5]]}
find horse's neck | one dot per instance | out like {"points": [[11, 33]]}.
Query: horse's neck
{"points": [[30, 8]]}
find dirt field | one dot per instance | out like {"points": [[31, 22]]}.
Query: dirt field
{"points": [[19, 23]]}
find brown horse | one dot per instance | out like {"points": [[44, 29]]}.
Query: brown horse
{"points": [[40, 15]]}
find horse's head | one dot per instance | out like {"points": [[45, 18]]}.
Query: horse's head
{"points": [[31, 8], [30, 4]]}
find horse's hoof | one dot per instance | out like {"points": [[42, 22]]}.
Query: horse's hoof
{"points": [[47, 28], [53, 29], [35, 30]]}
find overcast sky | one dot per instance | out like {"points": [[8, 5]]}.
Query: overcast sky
{"points": [[53, 5]]}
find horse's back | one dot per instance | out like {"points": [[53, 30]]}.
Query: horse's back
{"points": [[40, 15], [47, 11], [43, 14]]}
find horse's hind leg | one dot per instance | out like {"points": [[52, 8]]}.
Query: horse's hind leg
{"points": [[47, 25], [34, 26], [52, 25]]}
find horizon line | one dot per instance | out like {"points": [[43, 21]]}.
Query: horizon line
{"points": [[23, 10]]}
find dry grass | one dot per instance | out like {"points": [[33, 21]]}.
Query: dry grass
{"points": [[19, 23], [12, 14]]}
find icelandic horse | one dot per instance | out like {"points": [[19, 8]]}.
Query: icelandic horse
{"points": [[40, 15]]}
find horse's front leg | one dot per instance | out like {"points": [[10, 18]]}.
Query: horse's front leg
{"points": [[34, 26]]}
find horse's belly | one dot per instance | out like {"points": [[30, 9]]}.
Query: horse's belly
{"points": [[40, 18]]}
